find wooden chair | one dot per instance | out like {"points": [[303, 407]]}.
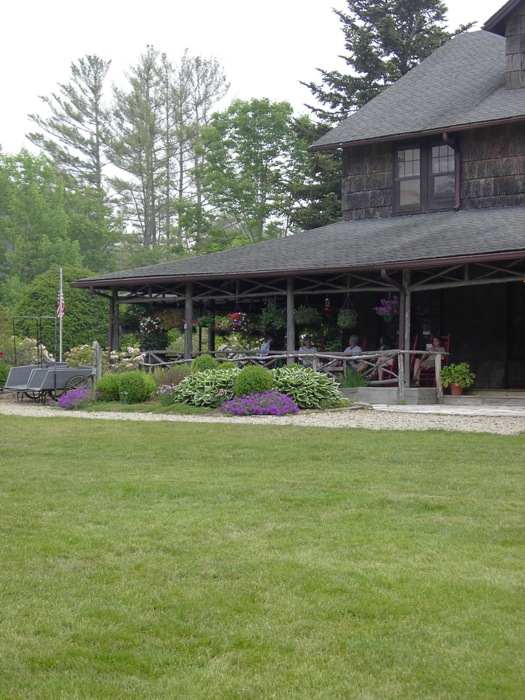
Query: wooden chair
{"points": [[427, 376]]}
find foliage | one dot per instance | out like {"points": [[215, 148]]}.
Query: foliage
{"points": [[204, 362], [308, 389], [459, 374], [269, 403], [80, 356], [307, 317], [272, 318], [252, 155], [4, 371], [347, 318], [135, 387], [107, 387], [170, 375], [166, 393], [353, 380], [383, 39], [77, 398], [25, 351], [125, 360], [86, 317], [253, 379], [209, 388]]}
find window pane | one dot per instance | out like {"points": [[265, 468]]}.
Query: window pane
{"points": [[444, 187], [408, 163], [442, 159], [409, 194]]}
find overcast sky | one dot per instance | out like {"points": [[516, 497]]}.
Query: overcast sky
{"points": [[265, 48]]}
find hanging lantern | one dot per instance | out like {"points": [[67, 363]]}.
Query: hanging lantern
{"points": [[327, 304]]}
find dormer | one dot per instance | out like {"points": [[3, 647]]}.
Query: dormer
{"points": [[509, 22]]}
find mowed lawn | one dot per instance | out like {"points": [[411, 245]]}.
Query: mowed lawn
{"points": [[182, 560]]}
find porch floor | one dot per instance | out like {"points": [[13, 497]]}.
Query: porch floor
{"points": [[427, 397]]}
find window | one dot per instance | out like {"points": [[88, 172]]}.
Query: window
{"points": [[424, 178]]}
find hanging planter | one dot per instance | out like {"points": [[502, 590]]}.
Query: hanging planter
{"points": [[206, 320], [347, 318], [307, 317], [272, 319], [388, 308]]}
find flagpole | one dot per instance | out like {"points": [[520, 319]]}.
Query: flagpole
{"points": [[60, 315]]}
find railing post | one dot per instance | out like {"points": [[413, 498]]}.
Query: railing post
{"points": [[290, 325], [188, 325], [401, 379], [439, 385]]}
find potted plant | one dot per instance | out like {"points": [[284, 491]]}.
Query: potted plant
{"points": [[273, 318], [347, 318], [458, 377], [388, 309], [206, 320], [307, 316]]}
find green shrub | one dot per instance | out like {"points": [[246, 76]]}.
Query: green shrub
{"points": [[209, 388], [308, 389], [171, 376], [4, 371], [253, 380], [135, 387], [353, 380], [227, 365], [108, 387], [204, 362]]}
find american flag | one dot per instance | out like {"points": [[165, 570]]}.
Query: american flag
{"points": [[61, 305]]}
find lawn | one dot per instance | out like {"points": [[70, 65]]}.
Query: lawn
{"points": [[169, 560]]}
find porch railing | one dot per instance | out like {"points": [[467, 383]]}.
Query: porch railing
{"points": [[336, 364]]}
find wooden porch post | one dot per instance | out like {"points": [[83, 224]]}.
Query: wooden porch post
{"points": [[407, 305], [113, 334], [188, 325], [290, 325]]}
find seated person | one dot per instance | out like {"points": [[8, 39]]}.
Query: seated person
{"points": [[308, 348], [353, 349], [266, 346], [427, 360], [383, 363]]}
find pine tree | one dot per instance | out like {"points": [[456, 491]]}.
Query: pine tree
{"points": [[384, 39]]}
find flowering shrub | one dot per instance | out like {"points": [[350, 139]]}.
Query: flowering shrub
{"points": [[309, 389], [28, 352], [152, 335], [125, 360], [80, 356], [269, 403], [388, 307], [77, 398]]}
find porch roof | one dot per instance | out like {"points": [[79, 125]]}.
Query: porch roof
{"points": [[369, 244], [459, 86]]}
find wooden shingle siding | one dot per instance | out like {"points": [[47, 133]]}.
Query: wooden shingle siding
{"points": [[493, 167], [367, 182], [515, 49]]}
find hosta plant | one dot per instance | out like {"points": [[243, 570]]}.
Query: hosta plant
{"points": [[309, 389], [209, 388]]}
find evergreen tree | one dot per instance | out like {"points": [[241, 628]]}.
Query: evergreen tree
{"points": [[384, 39]]}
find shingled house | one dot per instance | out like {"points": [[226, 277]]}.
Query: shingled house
{"points": [[433, 210]]}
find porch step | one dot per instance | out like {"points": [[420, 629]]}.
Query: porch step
{"points": [[487, 398]]}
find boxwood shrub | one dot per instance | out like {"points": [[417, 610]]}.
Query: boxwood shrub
{"points": [[253, 380]]}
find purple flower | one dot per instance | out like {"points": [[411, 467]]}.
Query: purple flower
{"points": [[271, 403]]}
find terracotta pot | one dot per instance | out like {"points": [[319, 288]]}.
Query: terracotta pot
{"points": [[456, 390]]}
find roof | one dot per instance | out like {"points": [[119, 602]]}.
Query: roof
{"points": [[393, 242], [460, 85], [496, 23]]}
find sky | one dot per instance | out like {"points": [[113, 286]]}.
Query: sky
{"points": [[265, 48]]}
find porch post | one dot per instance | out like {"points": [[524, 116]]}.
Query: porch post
{"points": [[290, 326], [188, 325], [113, 334], [407, 304]]}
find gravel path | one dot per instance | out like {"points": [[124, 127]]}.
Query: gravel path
{"points": [[505, 421]]}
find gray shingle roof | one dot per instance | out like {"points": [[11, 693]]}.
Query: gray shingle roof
{"points": [[353, 245], [460, 84]]}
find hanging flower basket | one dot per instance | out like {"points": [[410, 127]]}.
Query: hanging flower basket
{"points": [[272, 319], [307, 317], [347, 318], [206, 320], [388, 308]]}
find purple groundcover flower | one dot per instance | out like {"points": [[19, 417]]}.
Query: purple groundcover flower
{"points": [[269, 403], [77, 398]]}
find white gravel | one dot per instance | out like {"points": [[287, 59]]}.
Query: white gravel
{"points": [[502, 420]]}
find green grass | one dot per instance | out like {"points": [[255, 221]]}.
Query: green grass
{"points": [[162, 560]]}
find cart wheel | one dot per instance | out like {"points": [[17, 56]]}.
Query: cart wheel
{"points": [[78, 382], [32, 395]]}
